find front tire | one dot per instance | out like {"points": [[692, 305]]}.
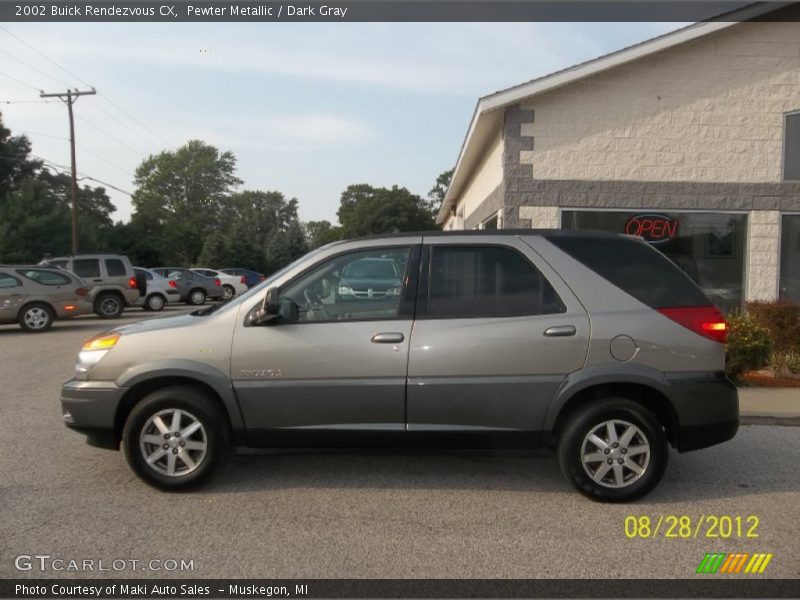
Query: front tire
{"points": [[613, 450], [176, 438], [36, 317]]}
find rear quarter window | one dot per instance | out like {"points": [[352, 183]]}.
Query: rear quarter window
{"points": [[115, 267], [635, 268]]}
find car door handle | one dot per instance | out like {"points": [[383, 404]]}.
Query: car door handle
{"points": [[387, 338], [560, 331]]}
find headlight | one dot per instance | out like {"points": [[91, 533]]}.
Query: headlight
{"points": [[94, 350], [394, 291]]}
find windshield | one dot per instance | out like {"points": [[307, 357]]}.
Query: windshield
{"points": [[371, 269], [261, 287]]}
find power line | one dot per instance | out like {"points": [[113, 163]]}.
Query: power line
{"points": [[48, 59], [28, 101], [135, 120], [113, 137], [105, 160], [64, 170], [47, 135], [144, 138], [37, 69], [33, 87]]}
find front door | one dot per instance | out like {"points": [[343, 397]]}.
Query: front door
{"points": [[496, 333], [334, 375]]}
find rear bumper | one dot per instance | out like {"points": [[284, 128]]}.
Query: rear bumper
{"points": [[707, 407], [90, 407]]}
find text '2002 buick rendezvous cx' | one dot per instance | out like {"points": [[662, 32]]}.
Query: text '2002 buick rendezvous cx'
{"points": [[592, 343]]}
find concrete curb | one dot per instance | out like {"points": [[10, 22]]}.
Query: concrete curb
{"points": [[757, 419]]}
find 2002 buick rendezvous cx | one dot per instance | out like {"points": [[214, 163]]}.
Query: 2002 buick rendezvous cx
{"points": [[591, 342]]}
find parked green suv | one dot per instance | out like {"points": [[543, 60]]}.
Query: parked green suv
{"points": [[592, 343]]}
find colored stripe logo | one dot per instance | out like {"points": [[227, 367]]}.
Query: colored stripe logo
{"points": [[736, 563]]}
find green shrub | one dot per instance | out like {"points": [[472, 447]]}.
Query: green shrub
{"points": [[782, 318], [784, 363], [749, 345]]}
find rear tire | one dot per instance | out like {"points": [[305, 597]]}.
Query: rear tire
{"points": [[176, 462], [155, 302], [36, 317], [613, 450], [109, 305], [228, 292], [196, 297]]}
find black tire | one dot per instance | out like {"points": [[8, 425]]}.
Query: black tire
{"points": [[109, 305], [36, 317], [196, 405], [155, 302], [590, 418], [228, 292], [196, 297]]}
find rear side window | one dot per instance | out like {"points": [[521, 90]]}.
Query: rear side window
{"points": [[487, 281], [115, 267], [635, 268], [7, 281], [44, 277], [147, 274], [86, 267]]}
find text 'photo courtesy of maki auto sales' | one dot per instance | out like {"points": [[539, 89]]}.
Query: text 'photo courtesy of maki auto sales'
{"points": [[591, 343]]}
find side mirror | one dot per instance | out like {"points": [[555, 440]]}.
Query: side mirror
{"points": [[268, 310]]}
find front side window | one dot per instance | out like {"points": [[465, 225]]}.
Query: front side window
{"points": [[7, 281], [44, 277], [358, 286], [115, 267], [791, 147], [86, 267], [487, 281]]}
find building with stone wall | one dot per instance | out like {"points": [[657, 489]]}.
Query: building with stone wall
{"points": [[691, 140]]}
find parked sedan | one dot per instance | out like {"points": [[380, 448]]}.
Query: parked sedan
{"points": [[193, 288], [160, 290], [232, 285], [251, 278], [35, 296]]}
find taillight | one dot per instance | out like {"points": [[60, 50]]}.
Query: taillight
{"points": [[171, 283], [82, 292], [132, 283], [261, 277], [217, 282], [703, 320], [243, 279]]}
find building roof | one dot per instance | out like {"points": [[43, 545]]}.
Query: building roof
{"points": [[488, 111]]}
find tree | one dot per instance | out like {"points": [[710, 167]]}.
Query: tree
{"points": [[366, 210], [180, 198], [15, 162], [319, 233], [285, 247], [438, 191]]}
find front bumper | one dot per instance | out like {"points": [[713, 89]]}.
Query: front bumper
{"points": [[90, 407], [707, 407]]}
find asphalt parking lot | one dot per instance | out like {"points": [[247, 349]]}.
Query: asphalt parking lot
{"points": [[361, 515]]}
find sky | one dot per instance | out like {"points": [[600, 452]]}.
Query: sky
{"points": [[306, 108]]}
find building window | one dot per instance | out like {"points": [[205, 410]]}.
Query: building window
{"points": [[790, 258], [709, 247], [791, 147]]}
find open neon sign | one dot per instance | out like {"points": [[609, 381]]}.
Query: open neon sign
{"points": [[653, 228]]}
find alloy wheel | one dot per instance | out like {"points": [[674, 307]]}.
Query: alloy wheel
{"points": [[173, 442], [36, 318], [615, 453]]}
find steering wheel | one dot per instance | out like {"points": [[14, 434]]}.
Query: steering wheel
{"points": [[314, 302]]}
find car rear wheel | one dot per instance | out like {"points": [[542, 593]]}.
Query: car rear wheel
{"points": [[176, 438], [197, 297], [109, 306], [36, 317], [228, 292], [155, 302], [613, 451]]}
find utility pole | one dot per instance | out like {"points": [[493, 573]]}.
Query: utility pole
{"points": [[69, 98]]}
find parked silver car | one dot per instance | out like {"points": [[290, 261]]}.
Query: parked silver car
{"points": [[160, 290], [35, 296], [193, 288], [593, 343]]}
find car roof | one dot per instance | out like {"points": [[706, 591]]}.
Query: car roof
{"points": [[33, 267], [583, 233]]}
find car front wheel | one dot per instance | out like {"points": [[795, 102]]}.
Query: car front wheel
{"points": [[197, 297], [228, 292], [176, 438], [613, 451], [155, 302]]}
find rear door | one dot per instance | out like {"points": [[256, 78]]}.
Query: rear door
{"points": [[496, 332], [11, 296]]}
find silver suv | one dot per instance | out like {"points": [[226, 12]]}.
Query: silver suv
{"points": [[592, 343], [114, 285]]}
